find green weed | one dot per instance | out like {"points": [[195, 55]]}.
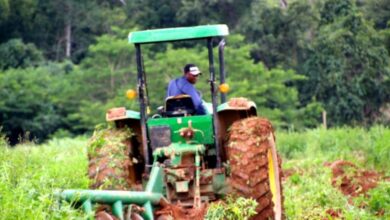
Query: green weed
{"points": [[309, 193], [232, 209], [378, 201], [368, 147], [30, 174]]}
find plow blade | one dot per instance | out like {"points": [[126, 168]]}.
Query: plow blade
{"points": [[151, 197], [117, 199]]}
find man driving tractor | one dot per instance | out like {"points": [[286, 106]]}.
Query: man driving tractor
{"points": [[185, 85]]}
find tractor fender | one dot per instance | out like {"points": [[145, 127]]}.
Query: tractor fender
{"points": [[229, 112], [121, 113], [123, 117]]}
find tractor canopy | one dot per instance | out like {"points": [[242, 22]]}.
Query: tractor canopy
{"points": [[210, 34], [177, 34]]}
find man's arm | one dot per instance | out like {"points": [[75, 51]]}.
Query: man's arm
{"points": [[196, 99], [169, 89]]}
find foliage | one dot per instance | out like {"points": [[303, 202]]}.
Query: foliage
{"points": [[280, 35], [32, 100], [379, 200], [232, 208], [379, 12], [293, 61], [108, 136], [334, 9], [110, 65], [386, 35], [15, 54], [44, 23], [30, 175], [103, 78], [347, 66], [270, 89], [172, 13]]}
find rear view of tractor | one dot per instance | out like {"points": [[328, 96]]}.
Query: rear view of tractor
{"points": [[172, 164]]}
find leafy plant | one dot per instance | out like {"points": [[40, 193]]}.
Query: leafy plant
{"points": [[232, 209], [378, 200]]}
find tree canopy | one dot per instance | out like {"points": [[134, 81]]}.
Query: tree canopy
{"points": [[64, 63]]}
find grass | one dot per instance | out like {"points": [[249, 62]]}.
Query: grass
{"points": [[309, 193], [368, 147], [29, 174]]}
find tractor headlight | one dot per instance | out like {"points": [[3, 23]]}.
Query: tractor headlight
{"points": [[131, 94], [224, 88]]}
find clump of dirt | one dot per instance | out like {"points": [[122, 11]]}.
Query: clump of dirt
{"points": [[239, 102], [171, 211], [333, 214], [351, 180], [110, 166], [287, 173]]}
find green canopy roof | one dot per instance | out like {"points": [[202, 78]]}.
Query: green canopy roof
{"points": [[175, 34]]}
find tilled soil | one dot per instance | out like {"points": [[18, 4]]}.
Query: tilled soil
{"points": [[172, 211], [351, 180], [333, 214]]}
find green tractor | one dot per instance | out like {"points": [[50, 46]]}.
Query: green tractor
{"points": [[178, 162]]}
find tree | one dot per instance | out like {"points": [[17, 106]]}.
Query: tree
{"points": [[379, 12], [273, 90], [347, 66], [102, 80], [4, 10], [76, 25], [153, 14], [279, 35], [32, 101], [61, 29], [17, 19], [15, 54], [172, 13]]}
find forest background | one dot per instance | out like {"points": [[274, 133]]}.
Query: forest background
{"points": [[64, 63]]}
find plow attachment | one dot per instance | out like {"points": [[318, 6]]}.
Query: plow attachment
{"points": [[167, 185], [118, 200]]}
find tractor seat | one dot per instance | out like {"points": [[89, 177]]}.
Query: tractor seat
{"points": [[179, 106]]}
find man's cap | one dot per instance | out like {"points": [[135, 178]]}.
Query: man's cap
{"points": [[191, 68]]}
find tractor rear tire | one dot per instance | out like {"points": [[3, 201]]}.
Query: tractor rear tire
{"points": [[110, 166], [255, 167]]}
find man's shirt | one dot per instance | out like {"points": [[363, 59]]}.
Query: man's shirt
{"points": [[181, 86]]}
